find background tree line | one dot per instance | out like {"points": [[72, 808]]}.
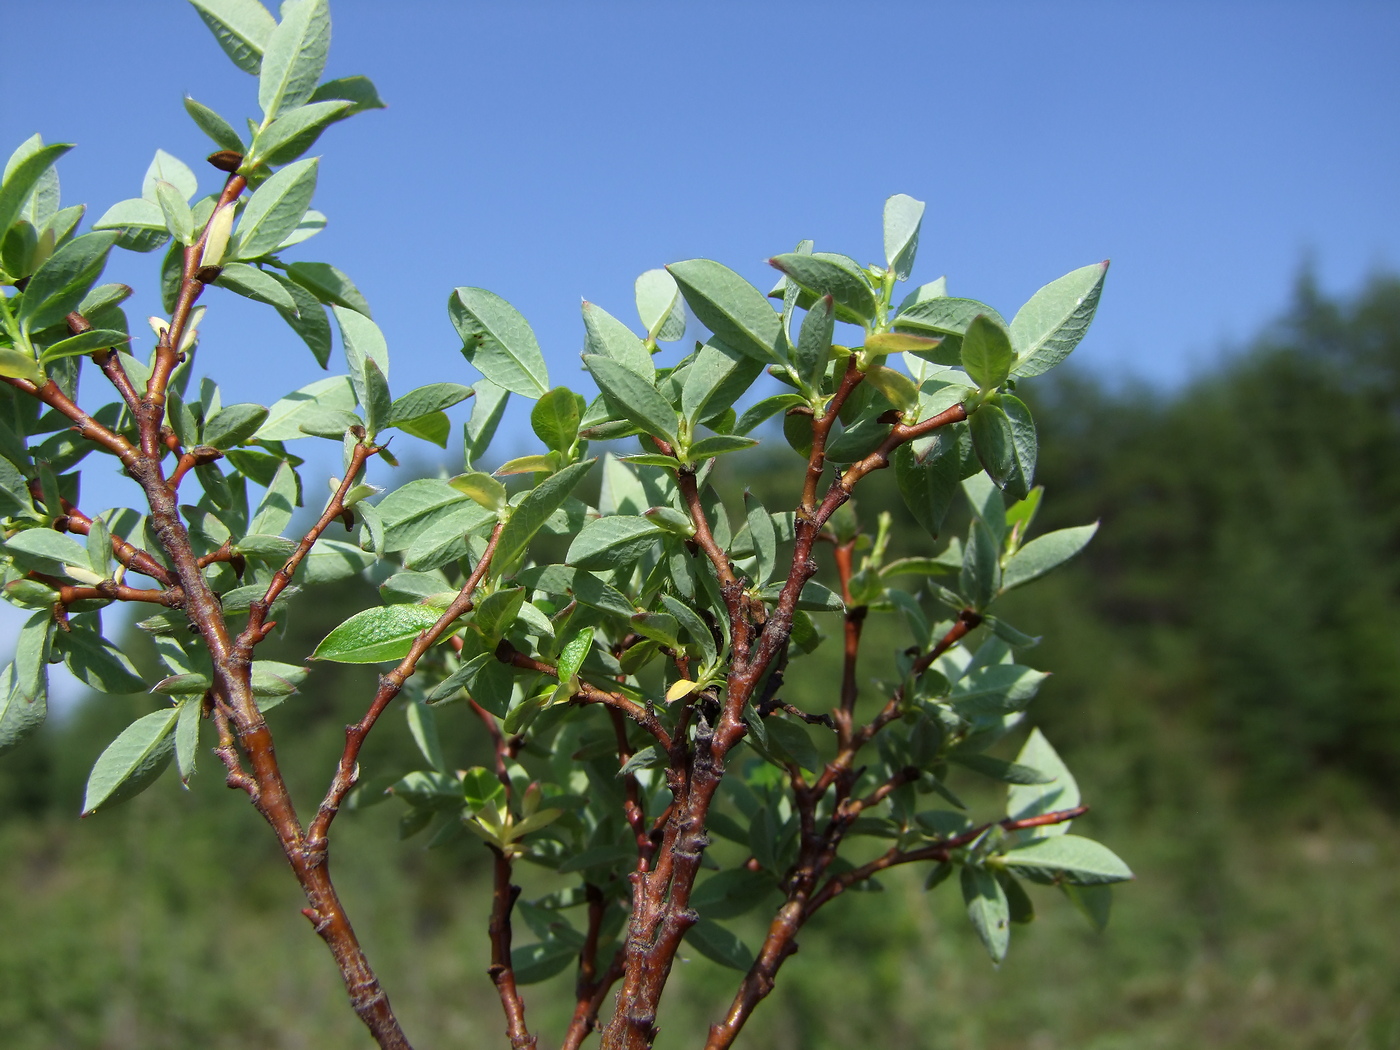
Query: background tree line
{"points": [[1230, 634]]}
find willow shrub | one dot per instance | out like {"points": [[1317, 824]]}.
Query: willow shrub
{"points": [[633, 692]]}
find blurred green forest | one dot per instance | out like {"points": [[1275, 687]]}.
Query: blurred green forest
{"points": [[1226, 688]]}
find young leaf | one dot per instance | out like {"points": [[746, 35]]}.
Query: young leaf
{"points": [[378, 400], [275, 208], [21, 179], [61, 283], [84, 343], [1054, 320], [498, 341], [897, 387], [363, 342], [165, 167], [242, 28], [987, 908], [903, 217], [376, 635], [1046, 552], [132, 761], [987, 353], [555, 419], [213, 125], [179, 220], [853, 300], [730, 307], [294, 56], [814, 342], [634, 396], [483, 488]]}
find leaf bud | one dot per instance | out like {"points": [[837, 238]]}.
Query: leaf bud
{"points": [[226, 160], [217, 234]]}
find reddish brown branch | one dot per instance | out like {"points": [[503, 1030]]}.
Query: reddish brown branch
{"points": [[347, 770], [502, 902], [589, 693], [132, 557]]}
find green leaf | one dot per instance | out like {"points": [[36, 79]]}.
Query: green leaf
{"points": [[97, 662], [294, 56], [987, 353], [1044, 553], [179, 220], [275, 208], [139, 224], [332, 560], [328, 284], [980, 577], [634, 397], [897, 387], [579, 584], [604, 334], [660, 307], [242, 28], [495, 613], [928, 488], [307, 320], [187, 737], [1093, 902], [59, 285], [764, 410], [534, 510], [1034, 800], [378, 400], [48, 551], [426, 401], [718, 944], [716, 445], [376, 635], [764, 538], [903, 217], [287, 416], [1054, 320], [853, 300], [988, 910], [215, 126], [814, 342], [363, 341], [1067, 858], [730, 307], [84, 343], [483, 488], [498, 341], [1003, 435], [21, 178], [258, 285], [612, 542], [795, 739], [1000, 769], [555, 419], [996, 689], [132, 761], [168, 168], [534, 963], [32, 651], [358, 90], [275, 510], [234, 425], [295, 131]]}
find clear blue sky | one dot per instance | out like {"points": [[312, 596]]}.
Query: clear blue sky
{"points": [[553, 151]]}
